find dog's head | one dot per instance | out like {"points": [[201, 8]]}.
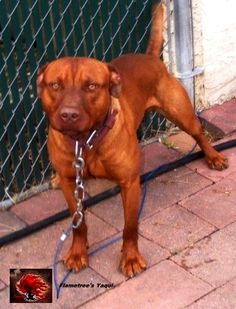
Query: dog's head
{"points": [[76, 93]]}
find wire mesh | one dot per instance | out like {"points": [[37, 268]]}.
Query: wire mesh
{"points": [[33, 32]]}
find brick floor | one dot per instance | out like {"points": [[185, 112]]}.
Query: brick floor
{"points": [[156, 154], [223, 297], [182, 142], [187, 233], [165, 285], [33, 210], [221, 119], [2, 285], [9, 223], [212, 259], [215, 204], [175, 228]]}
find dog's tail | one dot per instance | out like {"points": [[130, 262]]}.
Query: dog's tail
{"points": [[156, 33]]}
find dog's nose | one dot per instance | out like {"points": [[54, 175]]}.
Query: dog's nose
{"points": [[69, 114]]}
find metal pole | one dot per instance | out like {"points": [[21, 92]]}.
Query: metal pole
{"points": [[183, 44]]}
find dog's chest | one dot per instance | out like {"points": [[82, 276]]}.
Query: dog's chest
{"points": [[94, 166]]}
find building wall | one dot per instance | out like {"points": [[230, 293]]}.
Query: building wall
{"points": [[214, 25]]}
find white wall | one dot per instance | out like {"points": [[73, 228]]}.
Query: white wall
{"points": [[215, 49]]}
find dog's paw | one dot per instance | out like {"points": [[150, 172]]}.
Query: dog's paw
{"points": [[218, 162], [132, 263], [76, 261]]}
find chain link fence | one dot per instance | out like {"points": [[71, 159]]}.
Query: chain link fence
{"points": [[33, 32]]}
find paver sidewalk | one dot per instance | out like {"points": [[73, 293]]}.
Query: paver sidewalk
{"points": [[187, 234]]}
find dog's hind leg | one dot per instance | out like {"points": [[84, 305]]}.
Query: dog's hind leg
{"points": [[174, 103]]}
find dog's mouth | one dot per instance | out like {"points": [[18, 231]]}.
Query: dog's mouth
{"points": [[70, 133], [74, 134], [74, 129]]}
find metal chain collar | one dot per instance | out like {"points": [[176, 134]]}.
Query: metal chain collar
{"points": [[79, 192], [79, 164]]}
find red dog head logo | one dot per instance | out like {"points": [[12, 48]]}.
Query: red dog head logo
{"points": [[32, 286]]}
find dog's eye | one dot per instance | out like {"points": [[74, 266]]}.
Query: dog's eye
{"points": [[55, 86], [92, 87]]}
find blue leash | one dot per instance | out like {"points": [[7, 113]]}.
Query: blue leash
{"points": [[59, 246]]}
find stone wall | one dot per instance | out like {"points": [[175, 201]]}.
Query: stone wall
{"points": [[214, 25]]}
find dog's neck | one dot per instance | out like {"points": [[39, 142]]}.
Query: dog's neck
{"points": [[98, 133]]}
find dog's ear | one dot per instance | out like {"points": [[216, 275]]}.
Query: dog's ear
{"points": [[40, 79], [115, 82]]}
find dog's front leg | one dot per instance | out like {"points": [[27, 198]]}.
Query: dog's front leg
{"points": [[76, 257], [132, 262]]}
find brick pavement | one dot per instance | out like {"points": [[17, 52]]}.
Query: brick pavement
{"points": [[187, 234]]}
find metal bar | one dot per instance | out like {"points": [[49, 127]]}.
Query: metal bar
{"points": [[183, 43], [7, 203]]}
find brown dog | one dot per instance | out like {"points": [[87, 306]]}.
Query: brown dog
{"points": [[81, 94]]}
